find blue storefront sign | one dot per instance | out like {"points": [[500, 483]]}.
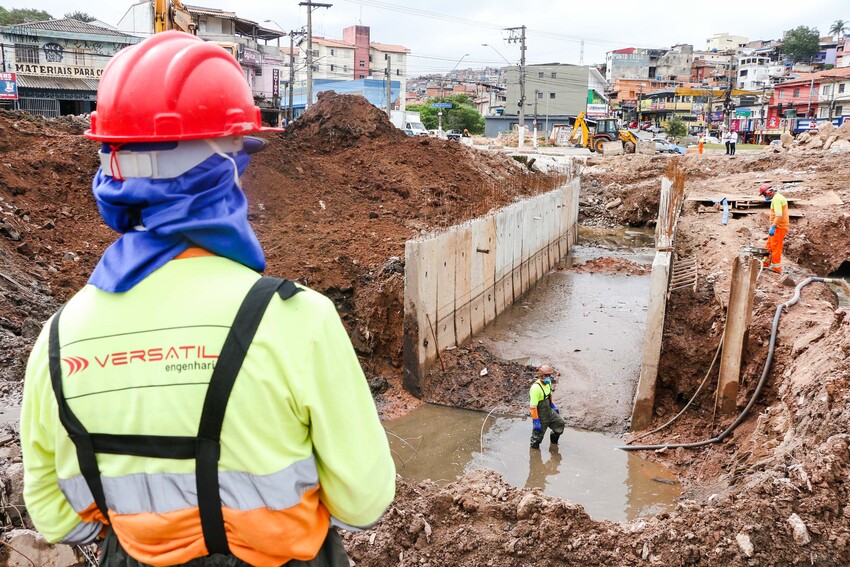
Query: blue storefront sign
{"points": [[441, 105], [8, 87], [805, 124]]}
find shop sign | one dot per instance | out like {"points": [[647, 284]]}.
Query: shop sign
{"points": [[8, 87], [597, 110], [275, 82], [251, 57], [58, 71]]}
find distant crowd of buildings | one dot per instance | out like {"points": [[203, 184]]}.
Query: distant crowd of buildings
{"points": [[53, 67]]}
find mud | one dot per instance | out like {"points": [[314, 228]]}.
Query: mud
{"points": [[441, 443], [786, 465]]}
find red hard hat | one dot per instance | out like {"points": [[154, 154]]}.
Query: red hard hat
{"points": [[173, 86], [764, 189]]}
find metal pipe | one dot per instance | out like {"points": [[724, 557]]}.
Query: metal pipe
{"points": [[767, 364]]}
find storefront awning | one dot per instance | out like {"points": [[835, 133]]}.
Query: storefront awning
{"points": [[56, 83]]}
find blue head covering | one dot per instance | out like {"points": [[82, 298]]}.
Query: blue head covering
{"points": [[160, 218]]}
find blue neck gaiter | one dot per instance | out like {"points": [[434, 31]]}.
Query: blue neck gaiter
{"points": [[160, 218]]}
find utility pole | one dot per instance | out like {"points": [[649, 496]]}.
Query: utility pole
{"points": [[534, 139], [727, 104], [389, 88], [763, 118], [517, 35], [291, 114], [310, 5], [811, 88]]}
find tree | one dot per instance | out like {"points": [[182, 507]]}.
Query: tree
{"points": [[675, 127], [81, 16], [461, 116], [464, 117], [838, 29], [801, 43], [427, 114], [22, 16]]}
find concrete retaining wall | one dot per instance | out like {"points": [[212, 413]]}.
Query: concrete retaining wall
{"points": [[458, 281]]}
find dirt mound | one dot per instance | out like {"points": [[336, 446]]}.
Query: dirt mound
{"points": [[827, 138], [472, 378], [339, 121]]}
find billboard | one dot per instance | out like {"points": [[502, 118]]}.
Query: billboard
{"points": [[597, 110], [8, 86]]}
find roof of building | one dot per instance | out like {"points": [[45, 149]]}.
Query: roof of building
{"points": [[625, 50], [818, 77], [332, 42], [389, 47], [67, 25], [66, 83], [241, 26], [201, 11]]}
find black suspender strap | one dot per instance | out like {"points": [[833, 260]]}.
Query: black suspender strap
{"points": [[215, 404], [82, 441], [205, 448]]}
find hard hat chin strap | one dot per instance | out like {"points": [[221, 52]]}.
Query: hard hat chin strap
{"points": [[218, 150]]}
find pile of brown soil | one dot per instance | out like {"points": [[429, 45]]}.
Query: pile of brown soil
{"points": [[339, 121]]}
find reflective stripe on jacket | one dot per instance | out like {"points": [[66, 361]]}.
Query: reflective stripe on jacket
{"points": [[301, 440]]}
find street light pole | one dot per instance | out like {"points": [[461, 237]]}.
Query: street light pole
{"points": [[442, 82], [640, 106]]}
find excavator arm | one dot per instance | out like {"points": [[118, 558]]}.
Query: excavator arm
{"points": [[172, 15], [580, 126]]}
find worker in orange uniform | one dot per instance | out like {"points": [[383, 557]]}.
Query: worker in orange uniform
{"points": [[779, 224], [190, 410], [544, 413]]}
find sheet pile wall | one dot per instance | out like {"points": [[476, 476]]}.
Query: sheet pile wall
{"points": [[458, 281]]}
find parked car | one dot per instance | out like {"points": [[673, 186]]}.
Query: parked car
{"points": [[776, 142], [712, 140], [437, 134], [455, 135], [665, 147]]}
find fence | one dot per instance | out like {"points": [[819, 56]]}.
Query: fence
{"points": [[458, 281]]}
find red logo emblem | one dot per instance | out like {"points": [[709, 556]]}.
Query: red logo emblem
{"points": [[76, 364]]}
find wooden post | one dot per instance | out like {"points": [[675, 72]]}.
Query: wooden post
{"points": [[738, 318]]}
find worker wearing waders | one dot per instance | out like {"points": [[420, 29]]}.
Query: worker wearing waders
{"points": [[544, 413], [190, 410], [779, 225]]}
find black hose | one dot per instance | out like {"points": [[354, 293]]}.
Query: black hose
{"points": [[767, 364]]}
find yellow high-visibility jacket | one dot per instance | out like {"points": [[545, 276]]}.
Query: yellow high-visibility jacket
{"points": [[301, 443], [779, 211]]}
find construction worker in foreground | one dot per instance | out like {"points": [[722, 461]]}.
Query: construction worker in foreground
{"points": [[544, 413], [180, 405], [779, 224]]}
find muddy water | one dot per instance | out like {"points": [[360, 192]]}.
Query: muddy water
{"points": [[590, 327], [442, 443]]}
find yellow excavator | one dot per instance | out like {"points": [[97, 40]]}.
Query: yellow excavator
{"points": [[606, 131], [173, 15]]}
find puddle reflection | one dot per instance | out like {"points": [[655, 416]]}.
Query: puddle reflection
{"points": [[586, 468]]}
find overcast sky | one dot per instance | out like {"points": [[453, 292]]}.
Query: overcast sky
{"points": [[439, 32]]}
